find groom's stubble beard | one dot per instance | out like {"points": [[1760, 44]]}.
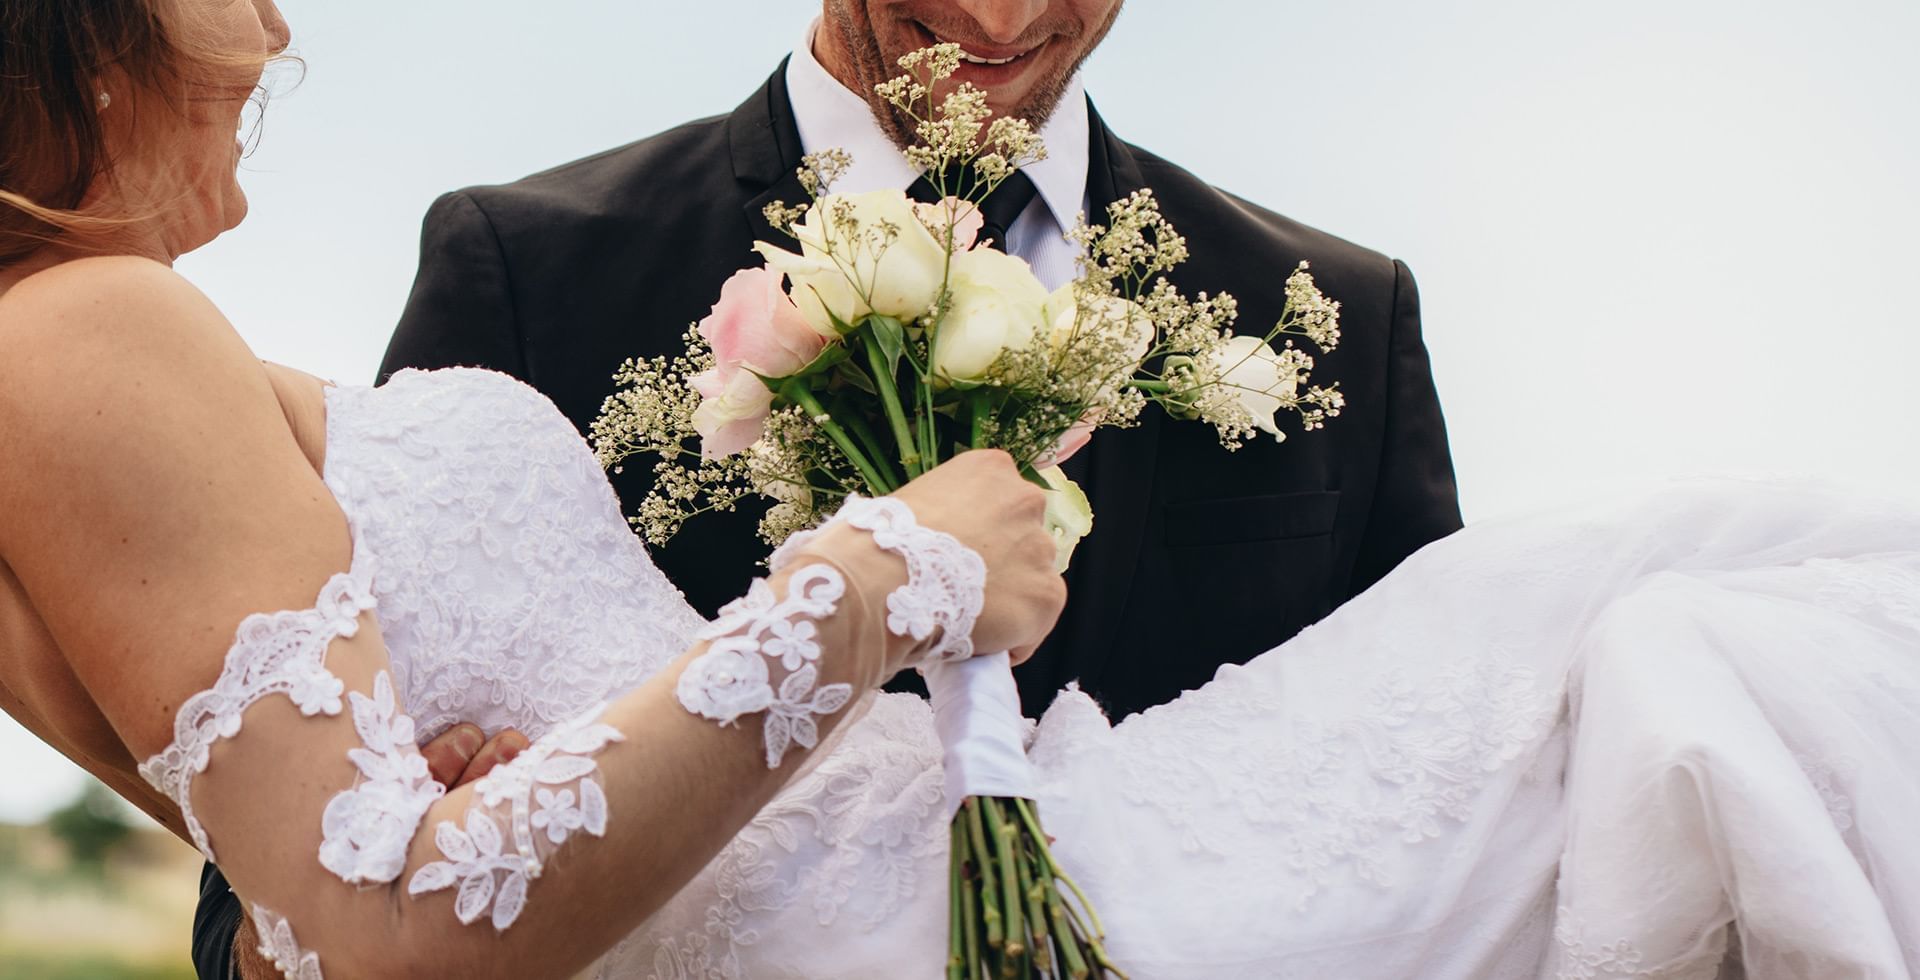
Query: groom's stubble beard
{"points": [[870, 66]]}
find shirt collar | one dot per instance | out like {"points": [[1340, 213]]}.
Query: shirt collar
{"points": [[828, 114]]}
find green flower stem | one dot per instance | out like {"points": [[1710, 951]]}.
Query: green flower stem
{"points": [[976, 419], [1076, 964], [990, 914], [970, 918], [884, 379], [876, 483], [1009, 878], [1152, 387], [857, 424], [1053, 866], [957, 966], [1036, 894], [932, 432]]}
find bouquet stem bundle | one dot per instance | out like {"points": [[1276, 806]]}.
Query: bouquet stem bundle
{"points": [[1011, 916]]}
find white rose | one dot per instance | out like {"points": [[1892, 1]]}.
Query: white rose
{"points": [[867, 269], [998, 306], [1069, 515], [723, 684], [1108, 315], [1254, 376]]}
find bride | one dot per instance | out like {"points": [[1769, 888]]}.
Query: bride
{"points": [[1667, 738]]}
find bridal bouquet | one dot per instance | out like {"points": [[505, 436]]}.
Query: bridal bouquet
{"points": [[893, 338]]}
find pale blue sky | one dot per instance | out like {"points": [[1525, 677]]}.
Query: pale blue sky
{"points": [[1653, 237]]}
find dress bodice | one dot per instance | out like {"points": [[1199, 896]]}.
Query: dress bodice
{"points": [[509, 590]]}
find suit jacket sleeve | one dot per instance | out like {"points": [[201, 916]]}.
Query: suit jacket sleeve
{"points": [[461, 310], [1416, 500]]}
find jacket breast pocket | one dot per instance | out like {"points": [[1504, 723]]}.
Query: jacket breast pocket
{"points": [[1267, 517]]}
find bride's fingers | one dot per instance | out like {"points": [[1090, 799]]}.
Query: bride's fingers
{"points": [[449, 752], [463, 753], [499, 750]]}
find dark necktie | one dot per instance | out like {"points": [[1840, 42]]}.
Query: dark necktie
{"points": [[998, 211]]}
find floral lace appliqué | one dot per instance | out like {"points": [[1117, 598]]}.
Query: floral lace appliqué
{"points": [[946, 580], [366, 830], [544, 795], [752, 633], [277, 653]]}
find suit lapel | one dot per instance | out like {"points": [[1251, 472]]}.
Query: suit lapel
{"points": [[765, 145], [1120, 469]]}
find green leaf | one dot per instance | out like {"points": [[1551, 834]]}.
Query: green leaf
{"points": [[833, 355], [841, 326], [891, 336], [826, 361], [857, 378]]}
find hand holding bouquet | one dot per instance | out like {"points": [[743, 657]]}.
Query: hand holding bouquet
{"points": [[890, 338]]}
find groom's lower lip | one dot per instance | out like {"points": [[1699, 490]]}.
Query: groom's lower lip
{"points": [[981, 71]]}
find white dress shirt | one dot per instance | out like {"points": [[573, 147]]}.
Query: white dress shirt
{"points": [[828, 115]]}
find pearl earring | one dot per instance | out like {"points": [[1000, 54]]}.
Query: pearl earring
{"points": [[105, 99]]}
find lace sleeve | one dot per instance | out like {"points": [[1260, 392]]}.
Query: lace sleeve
{"points": [[520, 813], [336, 805]]}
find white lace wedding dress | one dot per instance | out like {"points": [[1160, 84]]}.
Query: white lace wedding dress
{"points": [[1641, 740]]}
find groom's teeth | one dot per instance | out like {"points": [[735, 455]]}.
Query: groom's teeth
{"points": [[974, 59]]}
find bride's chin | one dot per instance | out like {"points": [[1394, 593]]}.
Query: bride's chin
{"points": [[218, 219]]}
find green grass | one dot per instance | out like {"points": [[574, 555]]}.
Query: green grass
{"points": [[16, 965]]}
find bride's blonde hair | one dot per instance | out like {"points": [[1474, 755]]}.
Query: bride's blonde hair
{"points": [[55, 59]]}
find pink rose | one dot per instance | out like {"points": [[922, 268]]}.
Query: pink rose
{"points": [[753, 330], [756, 326], [964, 216], [732, 413], [1071, 441]]}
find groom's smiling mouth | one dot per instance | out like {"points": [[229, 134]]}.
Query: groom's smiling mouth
{"points": [[984, 64]]}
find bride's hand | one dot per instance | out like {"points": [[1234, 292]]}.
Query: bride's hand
{"points": [[980, 498]]}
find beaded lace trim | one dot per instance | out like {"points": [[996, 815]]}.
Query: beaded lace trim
{"points": [[366, 830], [751, 635], [946, 580], [543, 796], [276, 653]]}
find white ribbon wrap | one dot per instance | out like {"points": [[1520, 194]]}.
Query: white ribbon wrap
{"points": [[976, 711]]}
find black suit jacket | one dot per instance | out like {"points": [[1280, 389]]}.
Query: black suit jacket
{"points": [[1198, 557]]}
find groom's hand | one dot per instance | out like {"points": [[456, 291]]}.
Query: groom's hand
{"points": [[464, 753]]}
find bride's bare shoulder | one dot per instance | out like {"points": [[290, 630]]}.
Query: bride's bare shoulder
{"points": [[150, 486], [115, 299], [91, 326], [115, 363]]}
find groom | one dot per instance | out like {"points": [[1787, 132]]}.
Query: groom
{"points": [[1199, 557]]}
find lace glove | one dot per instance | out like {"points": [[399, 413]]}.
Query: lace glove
{"points": [[935, 587]]}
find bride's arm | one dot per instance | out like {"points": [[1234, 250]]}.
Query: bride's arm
{"points": [[152, 499]]}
